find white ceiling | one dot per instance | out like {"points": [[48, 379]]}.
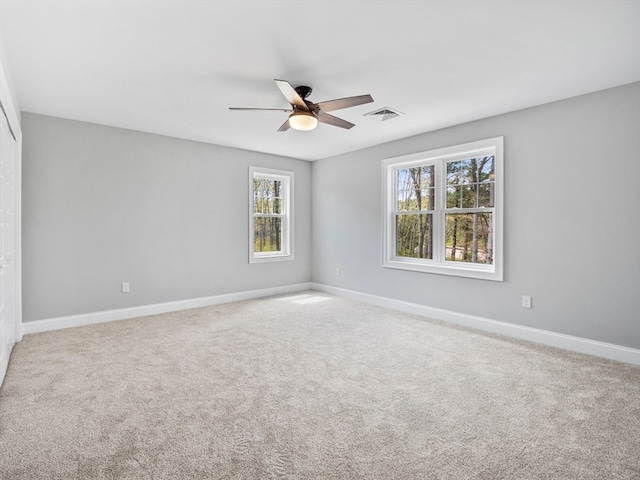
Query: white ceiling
{"points": [[174, 67]]}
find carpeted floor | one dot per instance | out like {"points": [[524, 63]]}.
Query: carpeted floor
{"points": [[310, 386]]}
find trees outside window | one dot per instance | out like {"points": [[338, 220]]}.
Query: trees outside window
{"points": [[443, 210], [270, 224]]}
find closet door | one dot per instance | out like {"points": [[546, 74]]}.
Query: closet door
{"points": [[7, 240]]}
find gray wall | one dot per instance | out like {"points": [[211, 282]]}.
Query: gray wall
{"points": [[103, 205], [572, 220]]}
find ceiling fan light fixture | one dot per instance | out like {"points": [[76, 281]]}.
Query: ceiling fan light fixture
{"points": [[303, 121]]}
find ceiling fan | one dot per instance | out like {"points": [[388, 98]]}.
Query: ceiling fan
{"points": [[306, 114]]}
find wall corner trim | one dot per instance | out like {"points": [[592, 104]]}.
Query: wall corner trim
{"points": [[544, 337], [81, 320]]}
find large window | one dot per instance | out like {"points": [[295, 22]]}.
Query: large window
{"points": [[443, 210], [270, 222]]}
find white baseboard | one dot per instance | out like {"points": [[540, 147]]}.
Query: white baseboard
{"points": [[38, 326], [544, 337]]}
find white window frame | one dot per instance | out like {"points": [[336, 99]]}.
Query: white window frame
{"points": [[287, 251], [439, 158]]}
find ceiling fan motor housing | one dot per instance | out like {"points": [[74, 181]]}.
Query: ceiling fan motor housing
{"points": [[303, 91]]}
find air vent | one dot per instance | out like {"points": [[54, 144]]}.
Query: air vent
{"points": [[383, 114]]}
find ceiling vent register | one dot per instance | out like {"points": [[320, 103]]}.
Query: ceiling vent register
{"points": [[383, 114]]}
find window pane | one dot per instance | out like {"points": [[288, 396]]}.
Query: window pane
{"points": [[462, 196], [470, 183], [486, 194], [414, 235], [458, 172], [267, 234], [469, 237], [487, 169], [416, 190], [267, 196]]}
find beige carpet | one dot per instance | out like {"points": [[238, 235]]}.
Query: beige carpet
{"points": [[310, 386]]}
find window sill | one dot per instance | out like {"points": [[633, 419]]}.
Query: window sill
{"points": [[481, 272], [282, 257]]}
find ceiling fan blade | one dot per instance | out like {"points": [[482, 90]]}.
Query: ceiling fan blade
{"points": [[291, 95], [331, 105], [269, 109], [335, 121], [285, 126]]}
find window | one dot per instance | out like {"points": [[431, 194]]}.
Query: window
{"points": [[443, 211], [270, 215]]}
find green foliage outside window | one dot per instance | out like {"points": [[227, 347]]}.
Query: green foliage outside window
{"points": [[267, 208], [416, 201], [470, 187]]}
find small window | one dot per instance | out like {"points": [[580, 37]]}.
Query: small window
{"points": [[270, 218], [443, 211]]}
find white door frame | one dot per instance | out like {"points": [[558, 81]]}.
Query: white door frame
{"points": [[7, 108]]}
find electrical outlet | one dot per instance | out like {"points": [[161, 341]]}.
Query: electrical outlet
{"points": [[337, 272], [526, 301], [125, 287]]}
